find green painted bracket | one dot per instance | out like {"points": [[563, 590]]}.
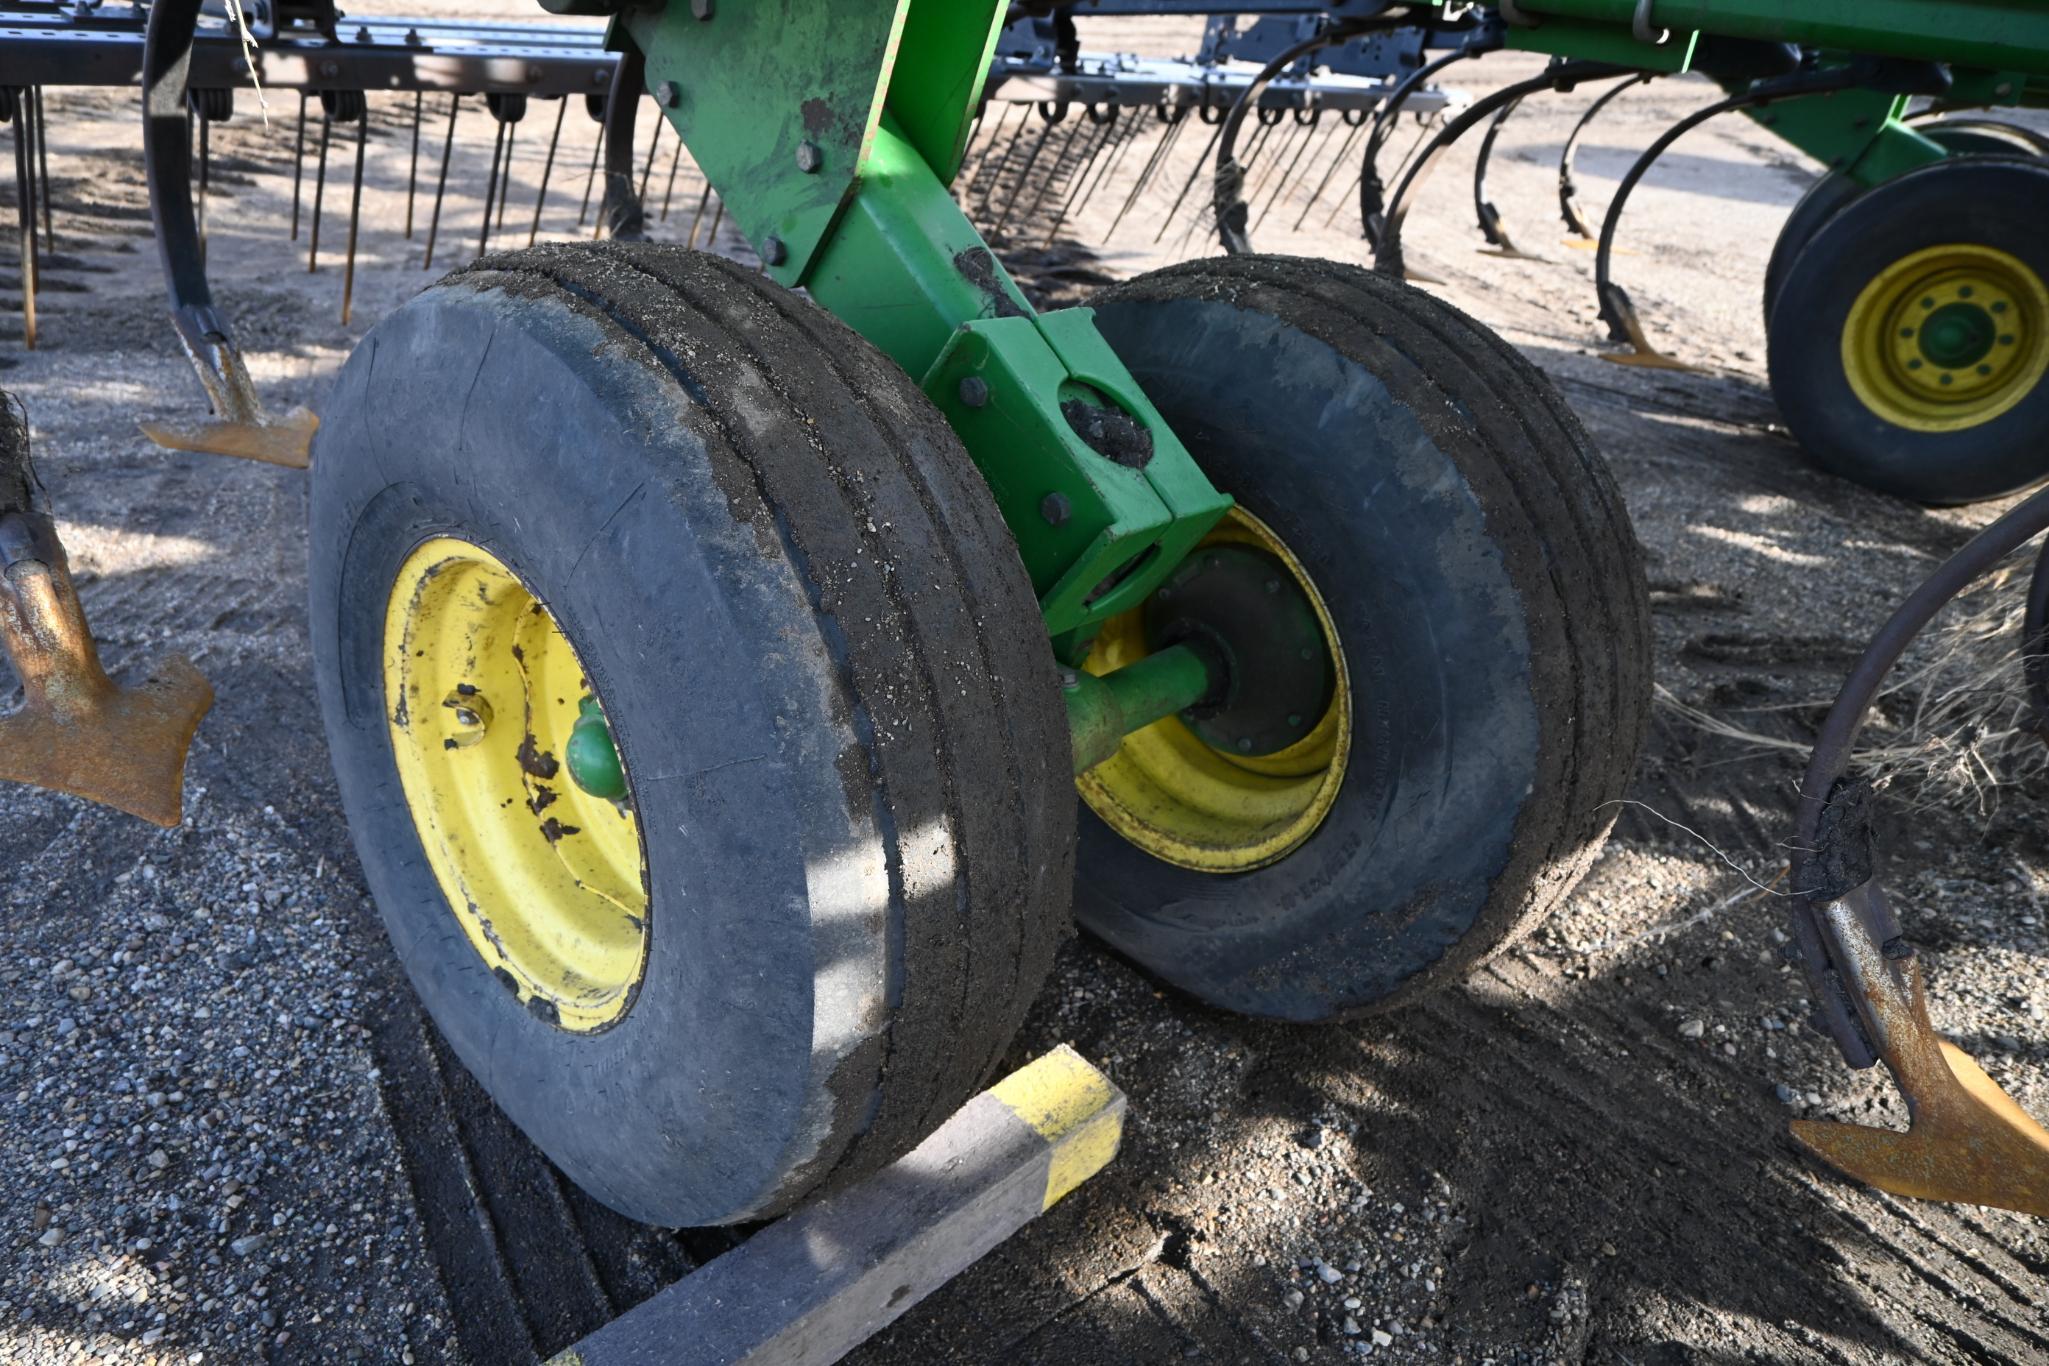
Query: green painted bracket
{"points": [[1097, 535], [831, 129], [1857, 132]]}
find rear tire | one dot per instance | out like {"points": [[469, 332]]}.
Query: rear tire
{"points": [[1847, 356], [1488, 599], [826, 674]]}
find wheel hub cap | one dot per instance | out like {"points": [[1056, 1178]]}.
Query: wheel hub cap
{"points": [[484, 697], [1948, 337]]}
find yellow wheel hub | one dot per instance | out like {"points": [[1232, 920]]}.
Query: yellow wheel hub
{"points": [[1192, 804], [1947, 338], [482, 689]]}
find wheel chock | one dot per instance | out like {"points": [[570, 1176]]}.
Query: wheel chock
{"points": [[823, 1280]]}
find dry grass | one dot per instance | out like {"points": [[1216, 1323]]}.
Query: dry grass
{"points": [[1953, 727]]}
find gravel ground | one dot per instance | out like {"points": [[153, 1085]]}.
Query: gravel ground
{"points": [[224, 1135]]}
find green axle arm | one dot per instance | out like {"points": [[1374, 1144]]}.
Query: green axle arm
{"points": [[832, 129]]}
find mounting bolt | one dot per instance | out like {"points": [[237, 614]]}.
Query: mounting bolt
{"points": [[773, 252], [1055, 508], [668, 94], [809, 157], [701, 8], [974, 391], [1069, 680]]}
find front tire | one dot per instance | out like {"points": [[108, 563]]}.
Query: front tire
{"points": [[771, 565], [1486, 597]]}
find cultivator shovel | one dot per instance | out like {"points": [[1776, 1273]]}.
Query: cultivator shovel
{"points": [[1967, 1140], [78, 731]]}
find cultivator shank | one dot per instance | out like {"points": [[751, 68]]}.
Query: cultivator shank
{"points": [[78, 731]]}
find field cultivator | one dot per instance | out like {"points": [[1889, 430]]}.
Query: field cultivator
{"points": [[726, 816]]}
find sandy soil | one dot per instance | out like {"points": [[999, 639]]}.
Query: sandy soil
{"points": [[226, 1133]]}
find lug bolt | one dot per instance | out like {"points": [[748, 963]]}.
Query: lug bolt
{"points": [[1245, 746], [472, 715], [974, 391], [773, 252], [809, 157], [1055, 508], [668, 94]]}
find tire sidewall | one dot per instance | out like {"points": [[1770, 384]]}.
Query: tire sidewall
{"points": [[1446, 730], [589, 482]]}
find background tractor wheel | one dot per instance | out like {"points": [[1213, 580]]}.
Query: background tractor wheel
{"points": [[1438, 533], [1834, 190], [643, 490], [1911, 338]]}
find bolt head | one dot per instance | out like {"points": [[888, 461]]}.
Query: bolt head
{"points": [[974, 391], [668, 94], [701, 8], [1055, 508], [809, 157], [773, 252]]}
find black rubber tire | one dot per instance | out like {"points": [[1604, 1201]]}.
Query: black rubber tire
{"points": [[2000, 202], [1830, 194], [827, 674], [1489, 596]]}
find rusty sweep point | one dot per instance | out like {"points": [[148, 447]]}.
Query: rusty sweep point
{"points": [[1967, 1140], [78, 731], [286, 440]]}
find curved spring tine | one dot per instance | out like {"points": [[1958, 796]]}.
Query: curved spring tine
{"points": [[1372, 188], [1616, 309], [1568, 189], [1233, 213], [619, 214], [1490, 217], [1387, 250]]}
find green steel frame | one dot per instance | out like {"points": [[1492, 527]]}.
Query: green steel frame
{"points": [[1997, 52]]}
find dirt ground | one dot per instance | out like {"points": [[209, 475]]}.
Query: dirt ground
{"points": [[227, 1134]]}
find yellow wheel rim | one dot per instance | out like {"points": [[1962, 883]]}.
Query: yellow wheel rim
{"points": [[482, 689], [1188, 803], [1947, 338]]}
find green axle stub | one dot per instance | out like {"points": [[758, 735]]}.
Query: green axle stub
{"points": [[592, 756]]}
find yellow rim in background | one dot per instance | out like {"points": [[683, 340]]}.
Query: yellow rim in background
{"points": [[1181, 800], [482, 690], [1947, 338]]}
